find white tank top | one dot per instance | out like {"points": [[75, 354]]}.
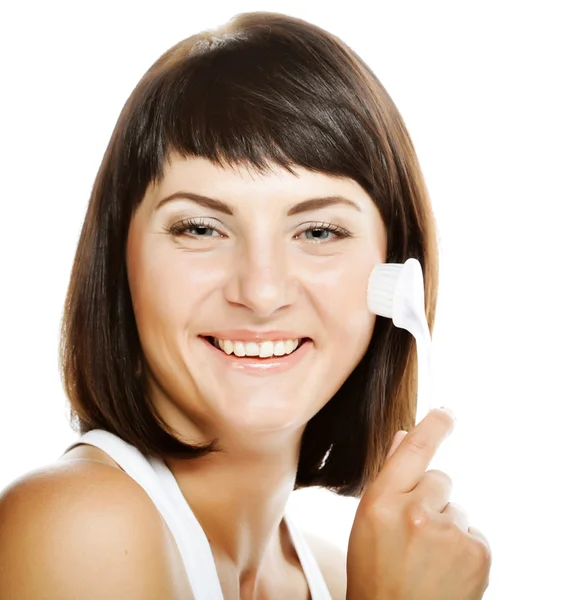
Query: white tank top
{"points": [[155, 477]]}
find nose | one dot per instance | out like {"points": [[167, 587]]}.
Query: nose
{"points": [[261, 279]]}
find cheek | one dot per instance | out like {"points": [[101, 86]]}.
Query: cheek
{"points": [[163, 290], [339, 297], [340, 292]]}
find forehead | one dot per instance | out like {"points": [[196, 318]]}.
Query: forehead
{"points": [[243, 182]]}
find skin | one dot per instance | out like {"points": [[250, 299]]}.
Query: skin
{"points": [[255, 269], [408, 542]]}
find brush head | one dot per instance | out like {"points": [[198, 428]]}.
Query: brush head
{"points": [[381, 288], [396, 291]]}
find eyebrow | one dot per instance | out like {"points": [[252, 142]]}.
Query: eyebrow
{"points": [[220, 206]]}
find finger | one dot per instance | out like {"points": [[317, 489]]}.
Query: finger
{"points": [[433, 490], [397, 440], [474, 532], [403, 471], [457, 514]]}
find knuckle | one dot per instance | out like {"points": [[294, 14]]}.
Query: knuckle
{"points": [[379, 512], [418, 445], [416, 516], [480, 556], [440, 477], [452, 533], [458, 509], [457, 513]]}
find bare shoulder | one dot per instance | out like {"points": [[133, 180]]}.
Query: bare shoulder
{"points": [[82, 529], [332, 562]]}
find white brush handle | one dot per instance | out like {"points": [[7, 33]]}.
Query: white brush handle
{"points": [[396, 291], [425, 379]]}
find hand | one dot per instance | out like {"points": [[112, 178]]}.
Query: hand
{"points": [[408, 541]]}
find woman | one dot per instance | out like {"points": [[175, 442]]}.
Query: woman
{"points": [[218, 353]]}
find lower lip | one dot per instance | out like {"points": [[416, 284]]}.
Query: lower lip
{"points": [[261, 366]]}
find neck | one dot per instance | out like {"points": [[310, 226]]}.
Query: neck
{"points": [[239, 497]]}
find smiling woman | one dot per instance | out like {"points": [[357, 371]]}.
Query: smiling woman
{"points": [[217, 350]]}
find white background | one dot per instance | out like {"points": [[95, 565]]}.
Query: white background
{"points": [[494, 97]]}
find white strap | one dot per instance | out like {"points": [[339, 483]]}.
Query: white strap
{"points": [[190, 538], [316, 583]]}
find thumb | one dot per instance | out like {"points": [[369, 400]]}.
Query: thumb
{"points": [[397, 440]]}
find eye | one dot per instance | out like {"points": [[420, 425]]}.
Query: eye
{"points": [[197, 228], [324, 232]]}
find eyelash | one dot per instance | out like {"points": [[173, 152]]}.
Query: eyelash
{"points": [[181, 227]]}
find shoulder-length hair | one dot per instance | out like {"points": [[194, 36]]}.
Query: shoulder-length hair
{"points": [[264, 88]]}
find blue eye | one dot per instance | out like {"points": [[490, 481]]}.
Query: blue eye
{"points": [[197, 228], [323, 230], [200, 230]]}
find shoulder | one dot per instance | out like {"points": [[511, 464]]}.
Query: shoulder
{"points": [[331, 559], [81, 529]]}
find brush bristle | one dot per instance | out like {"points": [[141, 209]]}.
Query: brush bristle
{"points": [[381, 289]]}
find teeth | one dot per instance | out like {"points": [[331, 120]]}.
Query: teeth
{"points": [[262, 350], [252, 349], [266, 349], [279, 348]]}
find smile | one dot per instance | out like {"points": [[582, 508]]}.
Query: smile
{"points": [[264, 349], [257, 364]]}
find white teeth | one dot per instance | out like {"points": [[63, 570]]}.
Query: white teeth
{"points": [[263, 350], [252, 349], [266, 349], [279, 348]]}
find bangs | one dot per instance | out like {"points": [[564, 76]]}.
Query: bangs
{"points": [[249, 102]]}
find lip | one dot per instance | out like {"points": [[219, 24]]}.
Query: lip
{"points": [[260, 366], [249, 335]]}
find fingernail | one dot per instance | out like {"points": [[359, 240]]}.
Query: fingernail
{"points": [[395, 437], [449, 411]]}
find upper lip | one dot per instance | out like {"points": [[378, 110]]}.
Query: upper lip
{"points": [[249, 335]]}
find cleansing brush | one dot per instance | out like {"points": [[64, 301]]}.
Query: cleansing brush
{"points": [[396, 291]]}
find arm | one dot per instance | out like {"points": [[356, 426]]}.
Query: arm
{"points": [[82, 530]]}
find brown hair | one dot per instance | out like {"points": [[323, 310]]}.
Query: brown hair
{"points": [[263, 88]]}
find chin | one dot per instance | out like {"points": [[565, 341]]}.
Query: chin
{"points": [[265, 412]]}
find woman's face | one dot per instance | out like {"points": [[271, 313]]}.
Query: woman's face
{"points": [[230, 254]]}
